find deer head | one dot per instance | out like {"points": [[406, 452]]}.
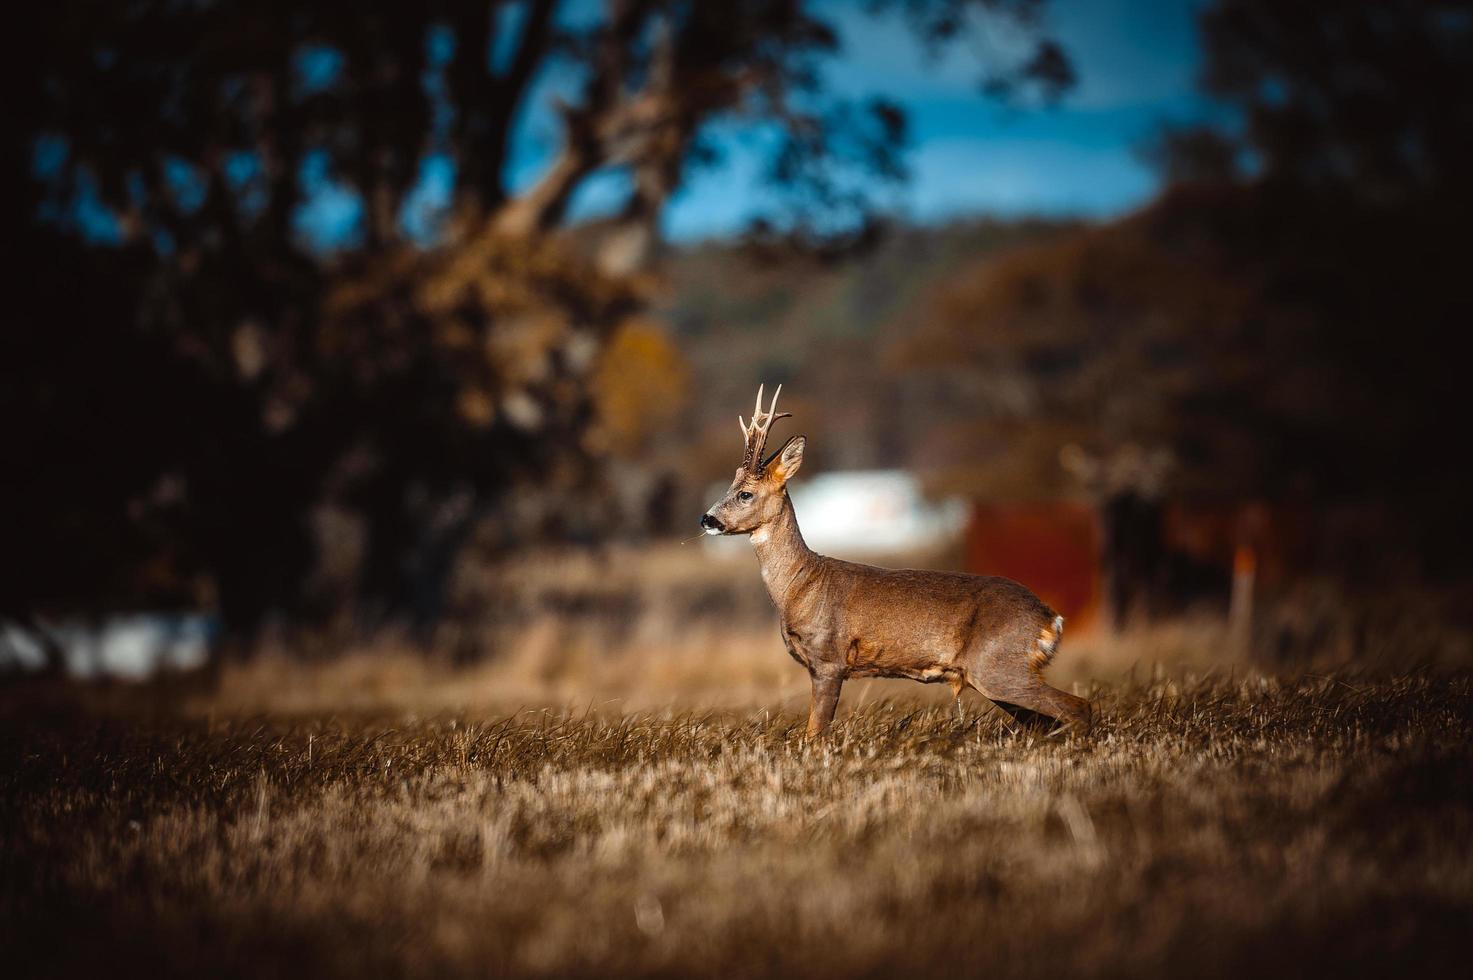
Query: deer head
{"points": [[758, 490]]}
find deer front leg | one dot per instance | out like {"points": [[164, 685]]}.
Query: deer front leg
{"points": [[826, 684]]}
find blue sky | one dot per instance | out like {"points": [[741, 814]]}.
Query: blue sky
{"points": [[1136, 60]]}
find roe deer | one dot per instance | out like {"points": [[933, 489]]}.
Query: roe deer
{"points": [[840, 619]]}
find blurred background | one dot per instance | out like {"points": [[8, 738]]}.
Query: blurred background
{"points": [[403, 341]]}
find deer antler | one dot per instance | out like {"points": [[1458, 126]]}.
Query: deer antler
{"points": [[755, 432]]}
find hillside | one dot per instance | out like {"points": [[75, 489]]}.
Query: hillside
{"points": [[822, 327]]}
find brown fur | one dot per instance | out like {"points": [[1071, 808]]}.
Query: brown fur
{"points": [[840, 619]]}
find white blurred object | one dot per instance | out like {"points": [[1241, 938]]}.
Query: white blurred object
{"points": [[134, 645], [863, 512]]}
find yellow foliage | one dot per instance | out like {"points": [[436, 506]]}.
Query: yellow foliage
{"points": [[639, 386]]}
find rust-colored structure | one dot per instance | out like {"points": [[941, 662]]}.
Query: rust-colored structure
{"points": [[1194, 553], [1053, 547]]}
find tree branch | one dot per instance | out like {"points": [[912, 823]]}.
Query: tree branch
{"points": [[587, 126], [541, 206], [511, 87]]}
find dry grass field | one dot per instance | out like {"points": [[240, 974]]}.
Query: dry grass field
{"points": [[1210, 826], [620, 786]]}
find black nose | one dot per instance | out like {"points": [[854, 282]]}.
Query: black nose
{"points": [[708, 521]]}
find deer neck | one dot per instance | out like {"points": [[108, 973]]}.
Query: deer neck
{"points": [[782, 554]]}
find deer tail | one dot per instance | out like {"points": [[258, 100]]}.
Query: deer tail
{"points": [[1048, 643]]}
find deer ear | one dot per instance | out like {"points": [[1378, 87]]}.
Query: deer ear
{"points": [[789, 458]]}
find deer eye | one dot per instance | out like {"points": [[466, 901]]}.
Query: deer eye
{"points": [[744, 496]]}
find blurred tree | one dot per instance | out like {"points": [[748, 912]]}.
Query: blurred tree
{"points": [[1276, 327], [1372, 99], [282, 264], [1355, 121]]}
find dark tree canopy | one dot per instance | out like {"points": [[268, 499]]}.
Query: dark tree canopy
{"points": [[1279, 325], [1371, 99], [218, 117], [198, 392]]}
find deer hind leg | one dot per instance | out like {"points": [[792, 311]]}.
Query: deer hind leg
{"points": [[1018, 689], [1042, 705], [1026, 717]]}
